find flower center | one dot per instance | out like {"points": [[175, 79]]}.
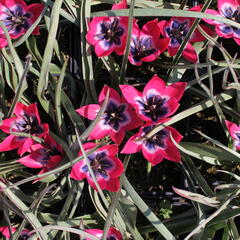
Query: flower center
{"points": [[110, 32], [115, 115], [142, 47], [232, 14], [27, 124], [111, 237], [100, 164], [157, 140], [153, 107], [237, 135], [16, 19], [24, 235], [177, 31]]}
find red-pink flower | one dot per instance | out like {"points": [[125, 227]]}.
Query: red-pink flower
{"points": [[18, 17], [5, 232], [146, 44], [113, 234], [108, 34], [106, 167], [117, 118], [45, 156], [234, 131], [26, 120], [157, 101], [176, 30], [229, 9], [157, 147]]}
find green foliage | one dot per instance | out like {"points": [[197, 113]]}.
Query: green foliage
{"points": [[36, 68]]}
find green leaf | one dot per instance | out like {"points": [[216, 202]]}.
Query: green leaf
{"points": [[210, 154]]}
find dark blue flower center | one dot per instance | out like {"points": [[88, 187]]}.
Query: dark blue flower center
{"points": [[111, 237], [115, 115], [237, 135], [24, 235], [27, 124], [177, 31], [47, 153], [141, 47], [157, 140], [17, 19], [153, 107], [232, 14], [100, 164], [110, 32]]}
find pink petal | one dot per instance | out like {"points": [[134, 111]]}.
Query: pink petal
{"points": [[115, 233], [162, 25], [219, 30], [118, 169], [163, 44], [99, 131], [134, 62], [25, 146], [212, 12], [13, 3], [153, 157], [135, 30], [7, 124], [135, 120], [230, 2], [152, 57], [237, 40], [31, 161], [101, 50], [117, 137], [121, 5], [156, 84], [95, 232], [10, 143], [132, 145], [232, 128], [151, 28], [113, 94], [35, 9], [172, 153], [3, 42], [111, 149], [172, 50], [190, 54], [94, 28], [113, 185], [76, 172], [5, 231], [175, 90], [89, 111], [53, 161], [172, 105], [176, 135]]}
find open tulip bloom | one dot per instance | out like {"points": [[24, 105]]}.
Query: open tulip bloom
{"points": [[45, 156], [234, 131], [157, 101], [18, 17], [25, 233], [108, 34], [156, 147], [106, 167], [146, 44], [26, 120], [117, 118], [113, 234], [229, 9], [176, 30]]}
